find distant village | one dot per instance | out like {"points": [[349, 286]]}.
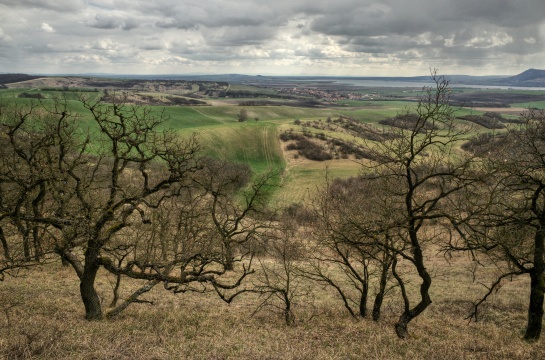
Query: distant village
{"points": [[327, 95]]}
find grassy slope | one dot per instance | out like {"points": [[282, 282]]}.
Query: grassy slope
{"points": [[42, 318], [254, 142]]}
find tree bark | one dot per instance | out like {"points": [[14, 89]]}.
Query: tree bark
{"points": [[535, 309], [288, 314], [38, 251], [26, 244], [5, 245], [364, 292], [537, 290], [229, 256], [425, 299], [379, 298], [89, 296], [131, 299], [407, 316]]}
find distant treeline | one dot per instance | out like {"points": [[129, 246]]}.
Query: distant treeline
{"points": [[13, 78]]}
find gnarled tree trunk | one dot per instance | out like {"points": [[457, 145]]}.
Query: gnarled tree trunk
{"points": [[379, 298], [425, 299], [89, 295], [537, 290]]}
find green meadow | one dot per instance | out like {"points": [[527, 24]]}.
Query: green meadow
{"points": [[256, 141]]}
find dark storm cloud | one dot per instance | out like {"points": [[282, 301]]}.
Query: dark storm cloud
{"points": [[390, 17], [463, 32], [55, 5], [240, 35], [282, 36], [217, 13], [105, 21]]}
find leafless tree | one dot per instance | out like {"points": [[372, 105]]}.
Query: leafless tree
{"points": [[279, 280], [350, 222], [423, 168], [28, 140], [419, 170], [102, 190], [236, 204], [504, 217]]}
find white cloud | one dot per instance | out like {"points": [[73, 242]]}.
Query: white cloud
{"points": [[47, 28], [486, 41]]}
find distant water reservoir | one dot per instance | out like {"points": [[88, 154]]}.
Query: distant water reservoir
{"points": [[421, 84]]}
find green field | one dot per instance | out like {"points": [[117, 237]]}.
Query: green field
{"points": [[256, 141]]}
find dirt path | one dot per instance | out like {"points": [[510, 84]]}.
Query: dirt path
{"points": [[210, 140], [203, 114]]}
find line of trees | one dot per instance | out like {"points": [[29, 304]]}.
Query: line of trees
{"points": [[125, 196]]}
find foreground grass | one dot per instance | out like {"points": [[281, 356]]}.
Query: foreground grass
{"points": [[42, 317]]}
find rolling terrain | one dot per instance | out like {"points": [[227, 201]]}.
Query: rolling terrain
{"points": [[309, 134], [210, 109]]}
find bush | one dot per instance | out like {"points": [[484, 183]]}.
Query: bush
{"points": [[406, 122], [483, 142], [31, 96], [306, 148], [299, 213], [488, 120], [290, 135]]}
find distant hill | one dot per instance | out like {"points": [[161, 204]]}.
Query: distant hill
{"points": [[527, 78], [13, 78]]}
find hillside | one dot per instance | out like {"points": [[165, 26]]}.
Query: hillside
{"points": [[528, 78], [13, 78]]}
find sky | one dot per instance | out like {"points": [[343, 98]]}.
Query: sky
{"points": [[272, 37]]}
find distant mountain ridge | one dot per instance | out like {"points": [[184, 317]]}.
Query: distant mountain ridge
{"points": [[528, 78]]}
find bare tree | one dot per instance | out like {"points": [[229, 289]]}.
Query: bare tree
{"points": [[102, 190], [419, 170], [350, 222], [504, 217], [236, 204], [25, 147], [280, 281]]}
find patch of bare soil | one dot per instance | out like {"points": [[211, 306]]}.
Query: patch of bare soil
{"points": [[505, 110], [176, 87], [160, 100], [48, 82]]}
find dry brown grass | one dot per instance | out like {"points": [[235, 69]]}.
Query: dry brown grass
{"points": [[42, 317]]}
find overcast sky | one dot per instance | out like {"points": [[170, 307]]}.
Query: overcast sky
{"points": [[272, 37]]}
